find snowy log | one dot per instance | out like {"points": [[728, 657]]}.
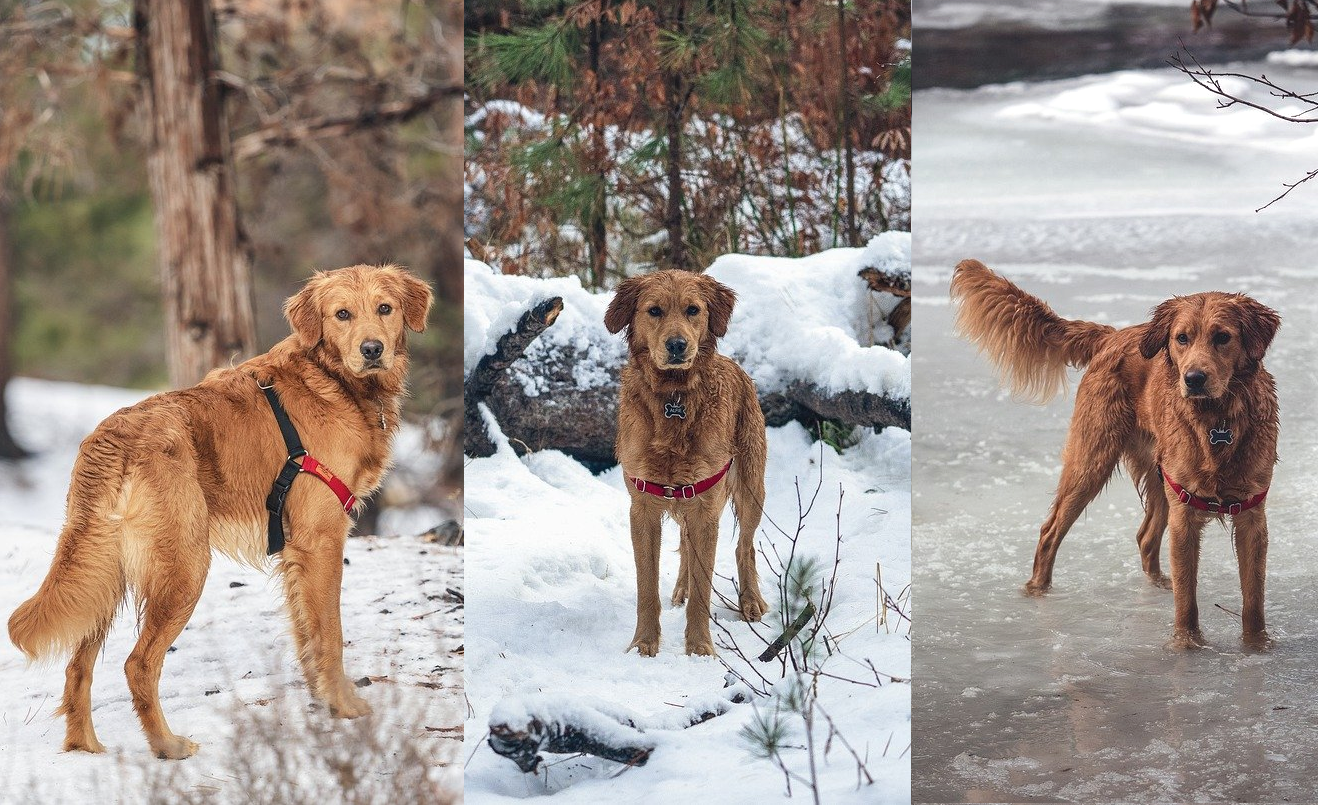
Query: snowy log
{"points": [[521, 728], [523, 743]]}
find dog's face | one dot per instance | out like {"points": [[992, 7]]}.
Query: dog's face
{"points": [[359, 315], [1209, 337], [671, 317]]}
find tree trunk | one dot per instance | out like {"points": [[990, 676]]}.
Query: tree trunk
{"points": [[674, 108], [205, 273], [844, 99], [8, 447], [596, 231]]}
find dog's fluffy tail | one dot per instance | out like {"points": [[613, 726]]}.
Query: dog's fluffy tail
{"points": [[1030, 344], [85, 584]]}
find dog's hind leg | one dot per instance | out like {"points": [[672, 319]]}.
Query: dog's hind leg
{"points": [[1092, 449], [680, 587], [77, 705], [747, 479], [166, 605], [1151, 530]]}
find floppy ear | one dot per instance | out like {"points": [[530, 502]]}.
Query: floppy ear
{"points": [[622, 308], [1258, 324], [303, 312], [417, 299], [719, 299], [1155, 338]]}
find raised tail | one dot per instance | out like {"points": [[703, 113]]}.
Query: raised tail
{"points": [[1029, 343], [85, 584]]}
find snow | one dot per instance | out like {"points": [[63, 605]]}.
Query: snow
{"points": [[1166, 104], [230, 682], [811, 319], [552, 579], [797, 319]]}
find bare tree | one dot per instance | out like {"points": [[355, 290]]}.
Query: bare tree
{"points": [[204, 270], [8, 447]]}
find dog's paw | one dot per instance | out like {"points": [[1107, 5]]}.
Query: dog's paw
{"points": [[1160, 580], [350, 706], [646, 646], [753, 606], [1188, 639], [1257, 641], [174, 747], [679, 594], [704, 647], [1034, 589], [84, 744]]}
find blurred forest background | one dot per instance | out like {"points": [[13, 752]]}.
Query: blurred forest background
{"points": [[172, 170], [605, 137]]}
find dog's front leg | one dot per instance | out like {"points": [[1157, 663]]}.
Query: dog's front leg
{"points": [[1251, 534], [646, 521], [313, 577], [1186, 527]]}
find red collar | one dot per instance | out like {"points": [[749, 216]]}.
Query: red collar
{"points": [[1211, 506], [684, 492]]}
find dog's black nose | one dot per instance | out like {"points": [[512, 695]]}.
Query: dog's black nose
{"points": [[1195, 380], [676, 346], [372, 350]]}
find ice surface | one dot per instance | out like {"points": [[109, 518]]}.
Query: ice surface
{"points": [[1076, 696]]}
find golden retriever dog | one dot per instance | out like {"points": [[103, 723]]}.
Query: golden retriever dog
{"points": [[1183, 401], [690, 437], [158, 486]]}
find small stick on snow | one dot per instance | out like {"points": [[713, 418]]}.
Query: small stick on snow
{"points": [[790, 632]]}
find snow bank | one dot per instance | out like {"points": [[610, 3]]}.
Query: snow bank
{"points": [[810, 319], [1166, 104]]}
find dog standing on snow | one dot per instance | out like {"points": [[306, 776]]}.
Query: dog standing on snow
{"points": [[690, 437], [158, 486]]}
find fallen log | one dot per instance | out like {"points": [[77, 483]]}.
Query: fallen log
{"points": [[580, 421], [523, 728]]}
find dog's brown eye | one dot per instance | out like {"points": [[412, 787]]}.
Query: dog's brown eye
{"points": [[343, 315], [1221, 338], [385, 310], [656, 311], [693, 311], [1182, 339]]}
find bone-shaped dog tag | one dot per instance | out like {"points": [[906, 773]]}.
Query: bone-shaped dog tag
{"points": [[1222, 436], [674, 410]]}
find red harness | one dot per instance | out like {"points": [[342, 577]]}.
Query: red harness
{"points": [[685, 492], [1211, 506], [338, 487]]}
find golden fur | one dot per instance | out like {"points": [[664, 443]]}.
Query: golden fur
{"points": [[1135, 404], [723, 420], [159, 485]]}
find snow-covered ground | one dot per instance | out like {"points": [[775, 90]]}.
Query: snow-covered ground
{"points": [[230, 682], [1104, 195], [552, 581]]}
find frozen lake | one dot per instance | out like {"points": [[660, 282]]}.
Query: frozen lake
{"points": [[1103, 195]]}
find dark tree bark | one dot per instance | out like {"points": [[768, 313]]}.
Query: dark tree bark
{"points": [[205, 272], [8, 447], [676, 94], [844, 99], [596, 229]]}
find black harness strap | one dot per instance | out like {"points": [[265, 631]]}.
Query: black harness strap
{"points": [[275, 502]]}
